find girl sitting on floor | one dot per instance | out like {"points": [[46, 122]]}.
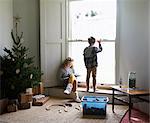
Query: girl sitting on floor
{"points": [[68, 77]]}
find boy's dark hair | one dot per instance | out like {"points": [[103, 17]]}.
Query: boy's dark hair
{"points": [[91, 40]]}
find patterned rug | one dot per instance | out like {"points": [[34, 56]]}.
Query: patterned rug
{"points": [[136, 117], [60, 114]]}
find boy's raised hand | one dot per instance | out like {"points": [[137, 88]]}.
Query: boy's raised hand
{"points": [[99, 41]]}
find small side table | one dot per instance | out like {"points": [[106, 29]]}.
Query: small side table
{"points": [[129, 96]]}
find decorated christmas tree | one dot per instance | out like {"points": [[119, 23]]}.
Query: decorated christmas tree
{"points": [[18, 71]]}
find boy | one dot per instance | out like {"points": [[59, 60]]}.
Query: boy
{"points": [[90, 60]]}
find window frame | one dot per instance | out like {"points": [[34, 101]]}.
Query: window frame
{"points": [[116, 40]]}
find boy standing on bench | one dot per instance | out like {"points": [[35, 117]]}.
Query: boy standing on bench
{"points": [[90, 60]]}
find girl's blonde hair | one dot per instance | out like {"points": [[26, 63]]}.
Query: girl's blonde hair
{"points": [[67, 61]]}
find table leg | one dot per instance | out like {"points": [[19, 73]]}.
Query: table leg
{"points": [[113, 93], [130, 107]]}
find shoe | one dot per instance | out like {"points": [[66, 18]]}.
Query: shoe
{"points": [[76, 97], [77, 100], [66, 92], [68, 88]]}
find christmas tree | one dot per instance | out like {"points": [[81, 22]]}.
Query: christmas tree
{"points": [[17, 69]]}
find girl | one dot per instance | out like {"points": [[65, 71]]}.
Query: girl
{"points": [[68, 77]]}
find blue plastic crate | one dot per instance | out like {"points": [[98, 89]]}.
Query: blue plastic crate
{"points": [[94, 105]]}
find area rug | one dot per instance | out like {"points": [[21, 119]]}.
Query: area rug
{"points": [[136, 117], [59, 114]]}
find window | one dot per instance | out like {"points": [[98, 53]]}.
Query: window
{"points": [[95, 18]]}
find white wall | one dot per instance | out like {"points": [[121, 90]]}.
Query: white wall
{"points": [[134, 39], [149, 43], [134, 51], [149, 48], [28, 10], [6, 24]]}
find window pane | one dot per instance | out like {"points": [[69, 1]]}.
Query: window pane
{"points": [[106, 61], [93, 18]]}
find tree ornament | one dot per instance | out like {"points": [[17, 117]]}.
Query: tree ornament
{"points": [[17, 71], [31, 76]]}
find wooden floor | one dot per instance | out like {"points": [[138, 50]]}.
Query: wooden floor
{"points": [[60, 114]]}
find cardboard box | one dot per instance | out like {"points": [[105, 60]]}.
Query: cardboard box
{"points": [[40, 102], [3, 105], [12, 108], [24, 106], [25, 98]]}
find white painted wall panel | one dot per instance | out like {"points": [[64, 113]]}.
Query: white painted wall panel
{"points": [[53, 33], [54, 20], [52, 62]]}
